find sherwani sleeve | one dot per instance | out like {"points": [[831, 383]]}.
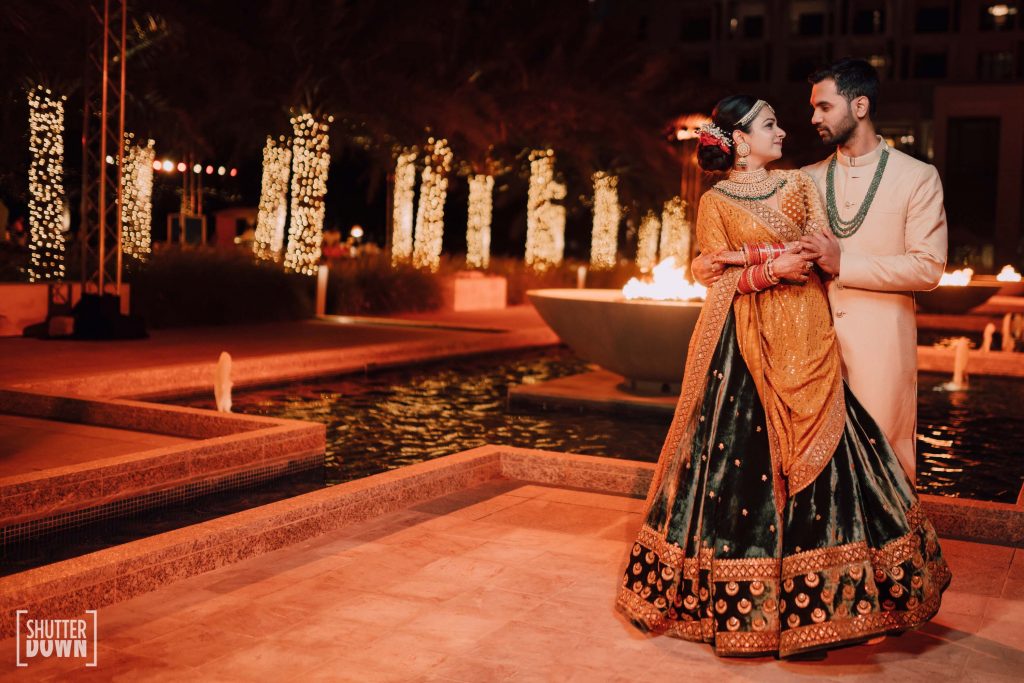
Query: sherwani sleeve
{"points": [[921, 266]]}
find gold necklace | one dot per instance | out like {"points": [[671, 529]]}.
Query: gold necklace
{"points": [[750, 185]]}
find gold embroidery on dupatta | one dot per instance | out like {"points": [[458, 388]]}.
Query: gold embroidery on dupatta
{"points": [[809, 465]]}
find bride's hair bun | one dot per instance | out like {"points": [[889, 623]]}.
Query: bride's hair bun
{"points": [[729, 110]]}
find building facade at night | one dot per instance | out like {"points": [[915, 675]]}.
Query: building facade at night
{"points": [[952, 87]]}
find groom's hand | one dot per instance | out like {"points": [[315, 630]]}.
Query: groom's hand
{"points": [[705, 270], [823, 247]]}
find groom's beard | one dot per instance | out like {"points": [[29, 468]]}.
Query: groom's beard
{"points": [[841, 134]]}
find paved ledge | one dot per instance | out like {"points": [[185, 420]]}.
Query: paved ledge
{"points": [[175, 362], [994, 363], [220, 444]]}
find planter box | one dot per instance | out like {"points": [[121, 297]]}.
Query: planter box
{"points": [[23, 304], [473, 291]]}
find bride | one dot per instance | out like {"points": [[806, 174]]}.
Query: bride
{"points": [[778, 520]]}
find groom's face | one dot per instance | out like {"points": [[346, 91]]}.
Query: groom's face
{"points": [[832, 117]]}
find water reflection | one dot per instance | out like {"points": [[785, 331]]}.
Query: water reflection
{"points": [[967, 446], [969, 442]]}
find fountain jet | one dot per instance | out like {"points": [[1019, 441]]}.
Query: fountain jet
{"points": [[959, 382], [222, 383]]}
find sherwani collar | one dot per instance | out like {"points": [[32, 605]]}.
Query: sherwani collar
{"points": [[865, 159]]}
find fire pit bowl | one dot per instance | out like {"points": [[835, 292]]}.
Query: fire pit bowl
{"points": [[645, 341], [956, 298]]}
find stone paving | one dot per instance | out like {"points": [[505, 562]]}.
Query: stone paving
{"points": [[506, 581], [34, 360], [30, 444]]}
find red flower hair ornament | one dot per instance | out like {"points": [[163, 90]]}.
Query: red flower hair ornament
{"points": [[713, 136]]}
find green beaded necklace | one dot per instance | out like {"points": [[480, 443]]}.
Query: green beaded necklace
{"points": [[841, 228]]}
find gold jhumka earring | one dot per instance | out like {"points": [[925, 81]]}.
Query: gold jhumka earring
{"points": [[742, 152]]}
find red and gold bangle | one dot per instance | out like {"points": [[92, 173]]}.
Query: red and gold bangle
{"points": [[760, 279], [754, 254], [750, 281], [744, 285]]}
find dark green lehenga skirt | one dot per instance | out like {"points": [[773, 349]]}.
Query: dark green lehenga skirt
{"points": [[849, 557]]}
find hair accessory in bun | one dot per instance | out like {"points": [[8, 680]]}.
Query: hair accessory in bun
{"points": [[713, 136]]}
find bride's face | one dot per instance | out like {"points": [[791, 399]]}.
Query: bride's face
{"points": [[765, 138]]}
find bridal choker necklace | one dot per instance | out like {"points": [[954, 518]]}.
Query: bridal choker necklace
{"points": [[750, 185]]}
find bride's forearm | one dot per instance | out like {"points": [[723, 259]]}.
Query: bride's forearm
{"points": [[762, 252]]}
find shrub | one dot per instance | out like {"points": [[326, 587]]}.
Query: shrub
{"points": [[184, 287], [13, 262], [370, 285]]}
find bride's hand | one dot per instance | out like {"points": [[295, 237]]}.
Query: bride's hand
{"points": [[731, 258], [792, 267]]}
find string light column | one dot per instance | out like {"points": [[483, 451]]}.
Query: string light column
{"points": [[402, 208], [310, 164], [545, 220], [478, 230], [46, 204], [675, 232], [426, 251], [647, 242], [137, 198], [268, 240], [604, 242]]}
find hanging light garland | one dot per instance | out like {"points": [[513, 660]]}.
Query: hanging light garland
{"points": [[604, 242], [545, 220], [310, 164], [402, 207], [46, 204], [478, 224], [426, 251], [675, 232], [273, 209], [137, 198], [647, 242]]}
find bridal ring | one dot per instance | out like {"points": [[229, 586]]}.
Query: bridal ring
{"points": [[807, 265]]}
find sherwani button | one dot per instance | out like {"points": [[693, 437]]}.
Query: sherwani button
{"points": [[840, 314]]}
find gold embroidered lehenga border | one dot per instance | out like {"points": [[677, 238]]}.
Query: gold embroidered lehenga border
{"points": [[852, 559], [853, 629]]}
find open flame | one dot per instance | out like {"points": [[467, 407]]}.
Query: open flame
{"points": [[958, 278], [669, 284], [1008, 274]]}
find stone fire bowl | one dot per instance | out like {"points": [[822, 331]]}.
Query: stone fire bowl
{"points": [[1005, 288], [644, 341], [956, 299]]}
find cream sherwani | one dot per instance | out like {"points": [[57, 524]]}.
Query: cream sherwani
{"points": [[899, 249]]}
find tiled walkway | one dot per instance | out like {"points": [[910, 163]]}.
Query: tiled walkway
{"points": [[503, 582]]}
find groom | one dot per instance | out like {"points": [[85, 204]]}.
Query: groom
{"points": [[886, 239]]}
